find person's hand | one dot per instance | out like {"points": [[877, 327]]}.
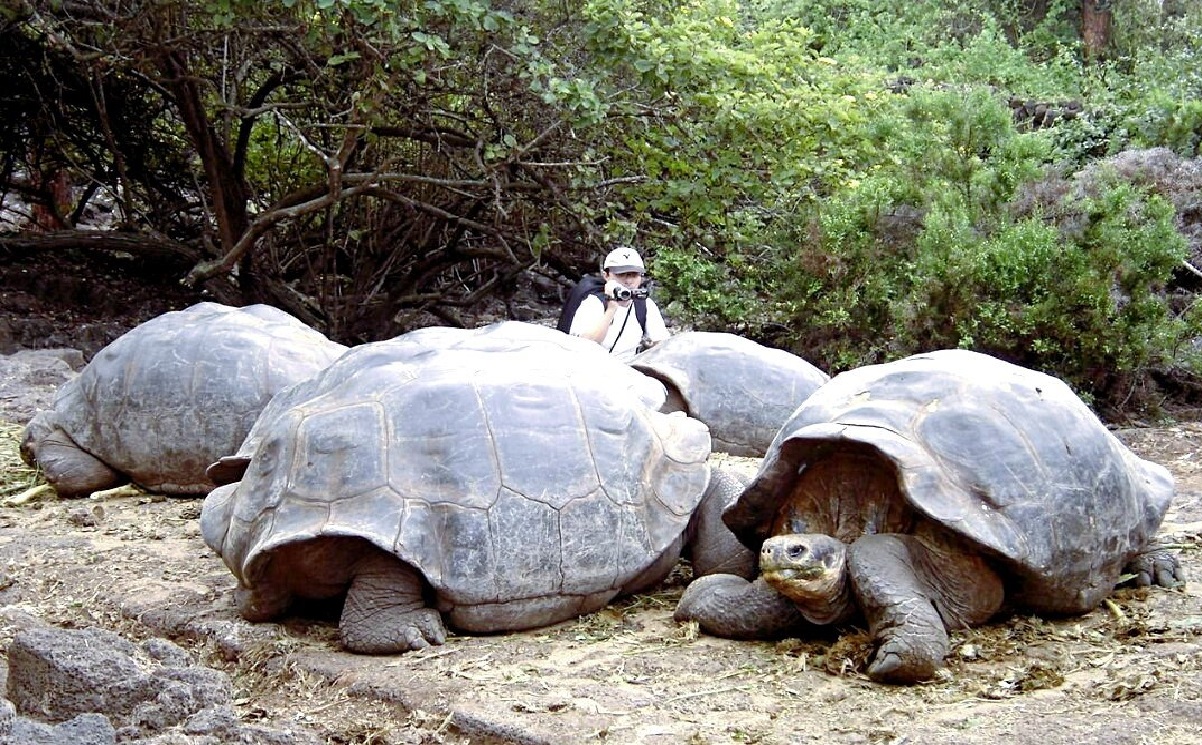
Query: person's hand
{"points": [[610, 286]]}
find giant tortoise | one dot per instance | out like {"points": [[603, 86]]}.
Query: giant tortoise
{"points": [[923, 494], [742, 390], [163, 401], [503, 478]]}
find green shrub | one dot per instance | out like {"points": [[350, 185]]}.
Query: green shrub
{"points": [[841, 178], [1080, 293]]}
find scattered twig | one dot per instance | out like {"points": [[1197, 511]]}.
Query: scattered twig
{"points": [[425, 657], [1115, 611], [1191, 268], [706, 692], [329, 704], [119, 492], [29, 495]]}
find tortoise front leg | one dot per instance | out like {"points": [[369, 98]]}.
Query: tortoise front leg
{"points": [[911, 592], [385, 611], [729, 606], [712, 547], [262, 604]]}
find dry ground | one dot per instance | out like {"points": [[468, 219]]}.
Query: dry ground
{"points": [[1130, 672]]}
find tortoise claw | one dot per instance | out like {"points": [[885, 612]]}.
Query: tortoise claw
{"points": [[1158, 566], [404, 632]]}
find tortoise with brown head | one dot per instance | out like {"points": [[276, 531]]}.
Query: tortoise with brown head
{"points": [[924, 495]]}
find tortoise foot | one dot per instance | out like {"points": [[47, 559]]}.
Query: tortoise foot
{"points": [[898, 660], [262, 604], [385, 612], [1156, 566], [401, 632]]}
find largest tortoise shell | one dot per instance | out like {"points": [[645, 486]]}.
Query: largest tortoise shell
{"points": [[520, 471], [1004, 456]]}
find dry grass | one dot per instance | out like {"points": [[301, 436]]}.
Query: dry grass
{"points": [[15, 475]]}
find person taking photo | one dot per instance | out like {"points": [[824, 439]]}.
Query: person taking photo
{"points": [[614, 309]]}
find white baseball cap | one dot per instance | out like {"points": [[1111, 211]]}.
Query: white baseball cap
{"points": [[624, 259]]}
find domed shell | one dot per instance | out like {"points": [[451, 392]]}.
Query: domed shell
{"points": [[742, 390], [544, 347], [163, 401], [524, 479], [1007, 457]]}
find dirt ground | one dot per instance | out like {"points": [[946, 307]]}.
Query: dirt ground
{"points": [[1130, 672]]}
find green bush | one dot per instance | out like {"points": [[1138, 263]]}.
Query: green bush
{"points": [[913, 238], [1080, 293]]}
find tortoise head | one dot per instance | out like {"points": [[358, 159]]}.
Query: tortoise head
{"points": [[811, 570]]}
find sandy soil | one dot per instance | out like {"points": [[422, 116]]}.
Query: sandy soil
{"points": [[1130, 672]]}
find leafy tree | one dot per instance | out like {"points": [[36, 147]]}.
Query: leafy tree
{"points": [[739, 125], [845, 178], [378, 155]]}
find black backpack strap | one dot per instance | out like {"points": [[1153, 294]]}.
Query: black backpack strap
{"points": [[640, 313]]}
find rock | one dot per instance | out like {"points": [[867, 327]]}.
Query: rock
{"points": [[93, 687], [85, 729], [222, 724], [29, 379], [56, 674]]}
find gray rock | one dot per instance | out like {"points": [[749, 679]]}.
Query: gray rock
{"points": [[166, 653], [29, 379], [56, 674], [85, 729], [60, 680], [222, 724]]}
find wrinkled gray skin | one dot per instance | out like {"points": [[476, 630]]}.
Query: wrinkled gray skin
{"points": [[489, 480], [925, 494], [743, 391], [163, 401]]}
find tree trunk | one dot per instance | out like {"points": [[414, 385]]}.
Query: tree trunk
{"points": [[226, 186], [1095, 28], [56, 188]]}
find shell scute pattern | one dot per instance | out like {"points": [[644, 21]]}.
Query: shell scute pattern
{"points": [[523, 477], [742, 390], [1007, 457], [928, 494], [161, 402]]}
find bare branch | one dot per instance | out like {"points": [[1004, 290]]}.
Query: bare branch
{"points": [[258, 228]]}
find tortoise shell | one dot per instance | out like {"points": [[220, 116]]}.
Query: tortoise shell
{"points": [[520, 472], [742, 390], [1006, 457], [163, 401]]}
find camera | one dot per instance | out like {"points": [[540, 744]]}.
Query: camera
{"points": [[625, 293]]}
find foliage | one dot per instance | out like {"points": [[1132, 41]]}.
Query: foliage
{"points": [[844, 178], [917, 245], [1089, 304], [378, 155], [741, 125]]}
